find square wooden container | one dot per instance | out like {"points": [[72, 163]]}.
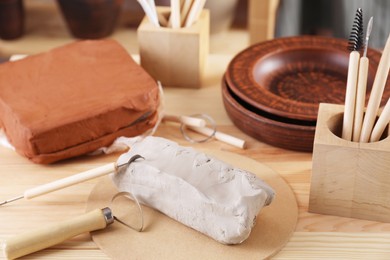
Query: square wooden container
{"points": [[349, 179], [175, 57]]}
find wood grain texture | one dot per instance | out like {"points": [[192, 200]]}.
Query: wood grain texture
{"points": [[349, 179]]}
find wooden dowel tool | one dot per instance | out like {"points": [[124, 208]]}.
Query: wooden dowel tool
{"points": [[350, 95], [376, 93], [71, 180]]}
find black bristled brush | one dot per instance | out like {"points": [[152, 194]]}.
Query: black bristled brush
{"points": [[355, 42], [354, 45]]}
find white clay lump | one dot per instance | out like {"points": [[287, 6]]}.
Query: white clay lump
{"points": [[193, 188]]}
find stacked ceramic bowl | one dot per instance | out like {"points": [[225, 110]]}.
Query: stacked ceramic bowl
{"points": [[272, 89]]}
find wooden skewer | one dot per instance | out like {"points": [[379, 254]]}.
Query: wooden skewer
{"points": [[187, 120], [350, 95], [376, 93], [220, 136], [381, 124]]}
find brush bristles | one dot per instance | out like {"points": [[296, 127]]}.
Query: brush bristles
{"points": [[356, 38]]}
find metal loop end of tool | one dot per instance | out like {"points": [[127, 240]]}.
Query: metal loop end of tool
{"points": [[131, 160], [108, 217], [210, 121], [131, 196]]}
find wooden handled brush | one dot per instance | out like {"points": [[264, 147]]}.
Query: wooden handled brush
{"points": [[355, 44], [361, 87]]}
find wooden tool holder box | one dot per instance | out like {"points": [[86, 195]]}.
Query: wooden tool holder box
{"points": [[175, 57], [349, 179]]}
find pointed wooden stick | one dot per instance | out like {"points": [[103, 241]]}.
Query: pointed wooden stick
{"points": [[376, 93]]}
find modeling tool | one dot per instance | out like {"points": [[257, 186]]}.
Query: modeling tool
{"points": [[229, 139], [175, 14], [52, 234], [355, 43], [187, 120], [194, 13], [376, 93], [361, 87], [71, 180], [152, 6], [184, 11], [149, 13]]}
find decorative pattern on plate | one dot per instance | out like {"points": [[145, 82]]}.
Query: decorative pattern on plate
{"points": [[289, 77], [286, 133]]}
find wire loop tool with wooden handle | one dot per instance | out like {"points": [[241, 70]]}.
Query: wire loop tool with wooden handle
{"points": [[49, 235]]}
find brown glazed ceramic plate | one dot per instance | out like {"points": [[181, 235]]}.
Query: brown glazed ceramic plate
{"points": [[289, 77], [286, 133]]}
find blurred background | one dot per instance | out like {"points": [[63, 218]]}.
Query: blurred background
{"points": [[332, 18]]}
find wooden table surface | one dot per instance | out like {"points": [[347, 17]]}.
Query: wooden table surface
{"points": [[316, 236]]}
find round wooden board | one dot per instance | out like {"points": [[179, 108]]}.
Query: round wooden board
{"points": [[165, 238]]}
